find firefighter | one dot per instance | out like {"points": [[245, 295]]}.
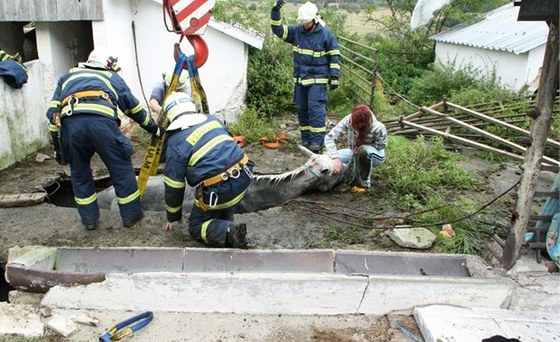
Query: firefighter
{"points": [[83, 120], [316, 59], [159, 89], [158, 94], [201, 151], [367, 139]]}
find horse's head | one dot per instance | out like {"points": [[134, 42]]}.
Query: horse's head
{"points": [[320, 167]]}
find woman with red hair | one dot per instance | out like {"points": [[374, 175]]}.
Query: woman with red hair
{"points": [[367, 138]]}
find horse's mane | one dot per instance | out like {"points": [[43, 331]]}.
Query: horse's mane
{"points": [[274, 180]]}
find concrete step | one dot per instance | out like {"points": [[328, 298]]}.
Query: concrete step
{"points": [[449, 323]]}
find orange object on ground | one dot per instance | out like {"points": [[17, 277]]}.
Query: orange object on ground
{"points": [[241, 140], [358, 189], [276, 143]]}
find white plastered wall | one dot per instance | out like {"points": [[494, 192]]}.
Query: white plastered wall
{"points": [[223, 76], [514, 71]]}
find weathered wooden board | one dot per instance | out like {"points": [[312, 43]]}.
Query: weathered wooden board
{"points": [[50, 10], [21, 200]]}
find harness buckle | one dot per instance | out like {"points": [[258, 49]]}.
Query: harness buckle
{"points": [[71, 103], [224, 176], [235, 173], [248, 171]]}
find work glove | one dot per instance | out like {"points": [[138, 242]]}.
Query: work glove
{"points": [[333, 83], [279, 4], [158, 132], [56, 144]]}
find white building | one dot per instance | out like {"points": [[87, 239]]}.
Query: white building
{"points": [[499, 43], [65, 33]]}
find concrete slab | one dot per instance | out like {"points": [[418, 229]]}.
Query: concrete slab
{"points": [[387, 294], [277, 293], [447, 323], [245, 293], [20, 320]]}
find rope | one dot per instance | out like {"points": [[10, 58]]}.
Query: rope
{"points": [[138, 65], [325, 213]]}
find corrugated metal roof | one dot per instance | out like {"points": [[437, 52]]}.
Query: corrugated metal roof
{"points": [[499, 31]]}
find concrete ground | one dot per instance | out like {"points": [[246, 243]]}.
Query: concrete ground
{"points": [[297, 307]]}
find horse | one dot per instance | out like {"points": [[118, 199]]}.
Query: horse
{"points": [[265, 191]]}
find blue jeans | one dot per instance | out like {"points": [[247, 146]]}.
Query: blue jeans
{"points": [[368, 157]]}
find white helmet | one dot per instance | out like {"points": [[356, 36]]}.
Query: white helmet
{"points": [[307, 12], [183, 79], [178, 103], [101, 59]]}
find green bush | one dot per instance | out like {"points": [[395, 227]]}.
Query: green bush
{"points": [[252, 126], [421, 169]]}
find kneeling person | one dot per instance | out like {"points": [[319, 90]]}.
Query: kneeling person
{"points": [[201, 151]]}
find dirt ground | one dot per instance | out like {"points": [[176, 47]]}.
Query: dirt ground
{"points": [[310, 222], [313, 221]]}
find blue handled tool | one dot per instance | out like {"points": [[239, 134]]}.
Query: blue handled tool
{"points": [[123, 329]]}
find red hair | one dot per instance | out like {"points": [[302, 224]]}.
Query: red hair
{"points": [[361, 120]]}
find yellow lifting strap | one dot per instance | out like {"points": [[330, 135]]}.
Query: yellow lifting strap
{"points": [[154, 149]]}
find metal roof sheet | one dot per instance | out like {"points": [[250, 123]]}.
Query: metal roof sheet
{"points": [[500, 31]]}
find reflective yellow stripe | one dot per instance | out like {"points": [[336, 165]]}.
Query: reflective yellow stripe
{"points": [[91, 107], [317, 129], [315, 81], [173, 183], [54, 104], [129, 198], [53, 128], [334, 66], [333, 52], [309, 52], [200, 131], [305, 128], [285, 34], [226, 205], [86, 200], [204, 229], [173, 210], [91, 74], [276, 22], [134, 110], [207, 147], [99, 71], [146, 120]]}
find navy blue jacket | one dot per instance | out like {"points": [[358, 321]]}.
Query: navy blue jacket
{"points": [[85, 78], [13, 72], [316, 53], [195, 154]]}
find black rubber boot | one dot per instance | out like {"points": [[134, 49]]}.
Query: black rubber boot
{"points": [[91, 226], [135, 221], [237, 236]]}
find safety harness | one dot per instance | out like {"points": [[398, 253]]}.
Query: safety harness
{"points": [[233, 172], [74, 99], [123, 329]]}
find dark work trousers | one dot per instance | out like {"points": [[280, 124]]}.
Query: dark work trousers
{"points": [[311, 103], [211, 226], [85, 134]]}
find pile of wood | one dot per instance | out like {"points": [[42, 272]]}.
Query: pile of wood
{"points": [[492, 128]]}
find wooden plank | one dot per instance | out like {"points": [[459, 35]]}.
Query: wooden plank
{"points": [[499, 122], [50, 10], [539, 132], [483, 132], [22, 200], [464, 141]]}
